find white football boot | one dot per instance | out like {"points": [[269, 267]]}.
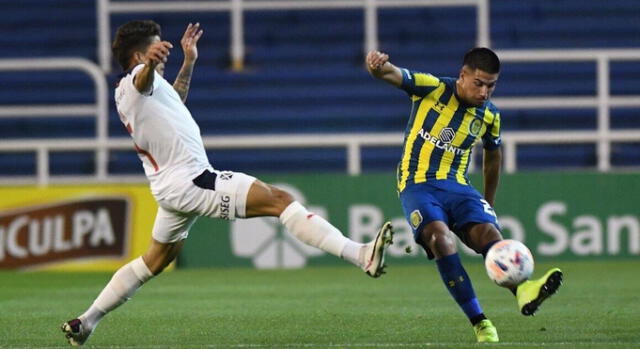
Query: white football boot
{"points": [[374, 251]]}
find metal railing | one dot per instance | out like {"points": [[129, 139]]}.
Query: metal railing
{"points": [[603, 136], [353, 143], [99, 109], [603, 101], [237, 8]]}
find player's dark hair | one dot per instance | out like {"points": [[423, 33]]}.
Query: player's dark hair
{"points": [[131, 37], [482, 58]]}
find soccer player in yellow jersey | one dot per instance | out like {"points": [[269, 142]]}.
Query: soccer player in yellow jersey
{"points": [[448, 116]]}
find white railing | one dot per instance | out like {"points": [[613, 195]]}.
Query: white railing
{"points": [[353, 143], [237, 8], [99, 109], [603, 101]]}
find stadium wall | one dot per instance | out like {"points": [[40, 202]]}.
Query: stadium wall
{"points": [[566, 216], [78, 228], [559, 216]]}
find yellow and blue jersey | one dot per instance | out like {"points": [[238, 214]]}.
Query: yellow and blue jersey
{"points": [[442, 131]]}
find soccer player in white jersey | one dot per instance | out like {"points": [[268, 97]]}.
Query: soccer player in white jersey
{"points": [[183, 182]]}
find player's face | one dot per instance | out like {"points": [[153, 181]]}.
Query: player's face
{"points": [[476, 86]]}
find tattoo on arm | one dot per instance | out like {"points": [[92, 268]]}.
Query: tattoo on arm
{"points": [[181, 85]]}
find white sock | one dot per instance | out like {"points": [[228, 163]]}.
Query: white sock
{"points": [[354, 253], [315, 231], [122, 286]]}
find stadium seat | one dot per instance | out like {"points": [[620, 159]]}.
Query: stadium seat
{"points": [[311, 79]]}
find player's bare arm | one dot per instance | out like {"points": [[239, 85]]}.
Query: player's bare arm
{"points": [[379, 67], [189, 43], [491, 173], [156, 54]]}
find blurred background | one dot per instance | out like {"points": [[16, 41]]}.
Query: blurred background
{"points": [[280, 91]]}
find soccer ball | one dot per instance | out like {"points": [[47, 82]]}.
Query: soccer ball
{"points": [[509, 263]]}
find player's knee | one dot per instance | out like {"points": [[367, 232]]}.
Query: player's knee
{"points": [[482, 234], [280, 198], [488, 233], [266, 200], [160, 255], [157, 269], [442, 240], [155, 263], [439, 240]]}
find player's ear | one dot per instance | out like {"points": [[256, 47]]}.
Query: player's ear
{"points": [[462, 71], [138, 57]]}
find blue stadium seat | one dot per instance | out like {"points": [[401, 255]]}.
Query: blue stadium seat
{"points": [[63, 127], [18, 164], [625, 118], [549, 119], [547, 156], [125, 163], [304, 74], [72, 163], [625, 154], [265, 160]]}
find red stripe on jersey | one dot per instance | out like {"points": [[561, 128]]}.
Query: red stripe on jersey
{"points": [[129, 129], [146, 153], [122, 118]]}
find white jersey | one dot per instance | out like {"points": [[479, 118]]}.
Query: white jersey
{"points": [[165, 135]]}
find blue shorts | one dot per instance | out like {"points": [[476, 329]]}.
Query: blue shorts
{"points": [[454, 204]]}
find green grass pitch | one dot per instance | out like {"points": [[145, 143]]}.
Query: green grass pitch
{"points": [[320, 307]]}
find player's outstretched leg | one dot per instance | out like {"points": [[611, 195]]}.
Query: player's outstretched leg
{"points": [[532, 293], [267, 200], [316, 231]]}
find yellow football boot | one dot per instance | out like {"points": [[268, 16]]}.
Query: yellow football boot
{"points": [[532, 293], [486, 332]]}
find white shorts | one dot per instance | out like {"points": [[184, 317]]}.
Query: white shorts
{"points": [[177, 211]]}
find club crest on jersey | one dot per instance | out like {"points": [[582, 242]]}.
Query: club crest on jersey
{"points": [[475, 126], [447, 135], [416, 219], [226, 175]]}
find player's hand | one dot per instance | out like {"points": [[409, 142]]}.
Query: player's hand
{"points": [[375, 60], [158, 53], [189, 42]]}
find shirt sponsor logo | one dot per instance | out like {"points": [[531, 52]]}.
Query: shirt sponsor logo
{"points": [[440, 144], [447, 135], [80, 229], [225, 206]]}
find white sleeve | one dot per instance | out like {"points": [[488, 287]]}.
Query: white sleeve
{"points": [[135, 71], [127, 95]]}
